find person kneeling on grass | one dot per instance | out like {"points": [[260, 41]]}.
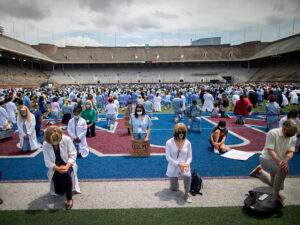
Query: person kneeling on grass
{"points": [[60, 158], [179, 157], [278, 151], [218, 137], [140, 124]]}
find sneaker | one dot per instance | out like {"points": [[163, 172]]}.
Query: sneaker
{"points": [[188, 198], [256, 171], [111, 127], [216, 151]]}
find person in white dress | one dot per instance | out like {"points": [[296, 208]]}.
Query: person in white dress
{"points": [[183, 102], [11, 111], [157, 103], [179, 157], [285, 101], [208, 102], [77, 129], [60, 159]]}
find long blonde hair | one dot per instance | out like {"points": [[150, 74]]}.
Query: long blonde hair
{"points": [[88, 101], [28, 116]]}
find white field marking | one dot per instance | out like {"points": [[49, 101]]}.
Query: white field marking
{"points": [[100, 154], [229, 147], [34, 154], [108, 130]]}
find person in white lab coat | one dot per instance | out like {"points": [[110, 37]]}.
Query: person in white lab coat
{"points": [[77, 128], [11, 110], [3, 114], [26, 128], [179, 157], [208, 102], [157, 103], [60, 158]]}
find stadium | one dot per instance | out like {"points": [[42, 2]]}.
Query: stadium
{"points": [[119, 184], [23, 64]]}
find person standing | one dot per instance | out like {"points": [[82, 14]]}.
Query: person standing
{"points": [[278, 151], [208, 102], [60, 159], [3, 114], [179, 157], [157, 103]]}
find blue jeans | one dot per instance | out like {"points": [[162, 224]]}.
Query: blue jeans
{"points": [[149, 114], [110, 118], [271, 120], [177, 114], [168, 104], [55, 115], [239, 119]]}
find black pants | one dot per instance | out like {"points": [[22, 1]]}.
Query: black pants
{"points": [[63, 183], [91, 131]]}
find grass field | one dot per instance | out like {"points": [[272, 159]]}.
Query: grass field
{"points": [[186, 216]]}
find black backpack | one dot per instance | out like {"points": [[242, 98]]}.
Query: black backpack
{"points": [[196, 183], [262, 204]]}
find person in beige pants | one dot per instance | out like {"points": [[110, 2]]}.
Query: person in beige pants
{"points": [[278, 151]]}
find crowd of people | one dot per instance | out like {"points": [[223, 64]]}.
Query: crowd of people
{"points": [[80, 107]]}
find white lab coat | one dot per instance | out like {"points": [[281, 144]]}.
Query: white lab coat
{"points": [[185, 156], [3, 117], [68, 154], [183, 102], [294, 97], [157, 104], [208, 102], [285, 101], [81, 133], [11, 111], [116, 102], [30, 126]]}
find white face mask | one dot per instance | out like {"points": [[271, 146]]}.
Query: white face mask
{"points": [[181, 136], [139, 113]]}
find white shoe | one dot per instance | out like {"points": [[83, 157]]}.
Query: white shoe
{"points": [[188, 198], [111, 127], [176, 120], [216, 151]]}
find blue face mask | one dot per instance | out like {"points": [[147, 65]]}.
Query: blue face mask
{"points": [[88, 106], [76, 117], [24, 114], [55, 143]]}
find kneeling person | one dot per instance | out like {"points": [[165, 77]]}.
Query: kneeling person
{"points": [[77, 129], [193, 112], [218, 137]]}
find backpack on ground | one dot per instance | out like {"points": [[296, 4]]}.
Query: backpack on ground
{"points": [[262, 204], [196, 183]]}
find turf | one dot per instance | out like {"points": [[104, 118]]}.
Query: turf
{"points": [[220, 215]]}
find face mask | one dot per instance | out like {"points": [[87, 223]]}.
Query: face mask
{"points": [[222, 128], [55, 143], [181, 135], [24, 114], [76, 117], [88, 106], [139, 112]]}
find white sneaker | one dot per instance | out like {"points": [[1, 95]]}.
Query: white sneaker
{"points": [[188, 198], [216, 151], [111, 127]]}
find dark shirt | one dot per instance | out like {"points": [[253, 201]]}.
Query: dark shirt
{"points": [[58, 159], [222, 133]]}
